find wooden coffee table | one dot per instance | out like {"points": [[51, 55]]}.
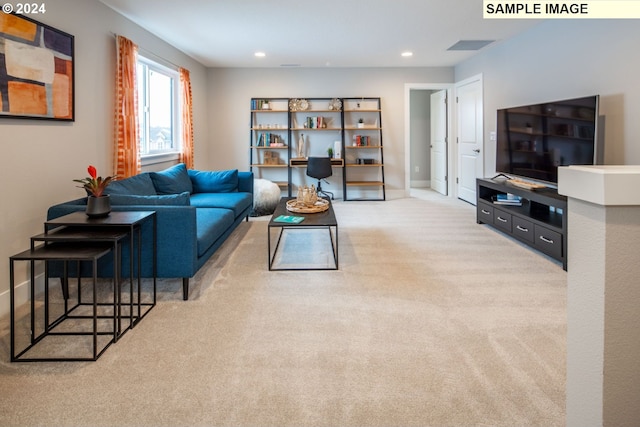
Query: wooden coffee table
{"points": [[323, 220]]}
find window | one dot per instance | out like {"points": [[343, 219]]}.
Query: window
{"points": [[158, 109]]}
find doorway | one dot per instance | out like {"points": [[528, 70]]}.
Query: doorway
{"points": [[427, 130], [464, 150]]}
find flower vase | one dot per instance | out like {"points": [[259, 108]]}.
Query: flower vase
{"points": [[98, 207]]}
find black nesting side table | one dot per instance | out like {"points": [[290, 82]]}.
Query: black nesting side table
{"points": [[75, 239], [81, 228], [40, 326]]}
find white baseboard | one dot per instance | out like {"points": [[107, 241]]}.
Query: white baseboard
{"points": [[420, 184], [22, 294], [395, 194]]}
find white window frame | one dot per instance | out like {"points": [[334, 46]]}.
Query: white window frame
{"points": [[174, 154]]}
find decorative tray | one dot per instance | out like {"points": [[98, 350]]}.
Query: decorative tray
{"points": [[295, 206], [525, 184]]}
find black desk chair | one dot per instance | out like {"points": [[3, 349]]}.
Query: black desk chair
{"points": [[320, 168]]}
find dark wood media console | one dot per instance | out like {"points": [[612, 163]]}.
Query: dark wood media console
{"points": [[541, 221]]}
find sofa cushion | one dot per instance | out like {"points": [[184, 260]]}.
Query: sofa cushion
{"points": [[237, 202], [174, 180], [211, 224], [181, 199], [140, 185], [214, 181]]}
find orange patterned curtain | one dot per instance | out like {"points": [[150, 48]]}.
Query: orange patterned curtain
{"points": [[186, 156], [127, 153]]}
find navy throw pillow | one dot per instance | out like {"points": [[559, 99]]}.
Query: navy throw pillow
{"points": [[174, 180], [140, 184]]}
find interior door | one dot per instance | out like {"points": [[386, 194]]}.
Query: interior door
{"points": [[470, 141], [439, 141]]}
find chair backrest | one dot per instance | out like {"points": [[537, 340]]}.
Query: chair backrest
{"points": [[319, 167]]}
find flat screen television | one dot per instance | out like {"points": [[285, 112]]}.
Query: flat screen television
{"points": [[533, 140]]}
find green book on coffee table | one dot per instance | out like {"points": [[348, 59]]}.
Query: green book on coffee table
{"points": [[289, 219]]}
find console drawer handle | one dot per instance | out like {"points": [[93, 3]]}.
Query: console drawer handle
{"points": [[544, 239], [485, 212], [526, 230], [501, 219]]}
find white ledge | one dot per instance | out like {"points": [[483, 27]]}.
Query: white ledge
{"points": [[602, 185]]}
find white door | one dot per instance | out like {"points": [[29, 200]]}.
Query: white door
{"points": [[439, 141], [470, 141]]}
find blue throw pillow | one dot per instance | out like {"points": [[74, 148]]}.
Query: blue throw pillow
{"points": [[174, 180], [214, 181], [181, 199], [140, 185]]}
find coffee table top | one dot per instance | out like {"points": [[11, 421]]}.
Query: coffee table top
{"points": [[320, 219]]}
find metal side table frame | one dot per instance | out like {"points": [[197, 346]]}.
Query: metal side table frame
{"points": [[131, 222], [60, 252]]}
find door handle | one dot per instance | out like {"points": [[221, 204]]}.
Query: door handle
{"points": [[477, 151]]}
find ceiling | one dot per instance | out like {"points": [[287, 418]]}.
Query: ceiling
{"points": [[325, 33]]}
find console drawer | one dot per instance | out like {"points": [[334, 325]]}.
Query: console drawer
{"points": [[484, 213], [502, 219], [548, 241], [523, 229]]}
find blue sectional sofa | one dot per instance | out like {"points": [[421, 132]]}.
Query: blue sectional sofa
{"points": [[195, 212]]}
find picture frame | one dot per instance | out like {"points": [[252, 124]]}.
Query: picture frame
{"points": [[37, 70]]}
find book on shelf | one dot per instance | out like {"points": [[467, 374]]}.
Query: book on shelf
{"points": [[507, 199], [361, 141], [289, 219], [316, 122]]}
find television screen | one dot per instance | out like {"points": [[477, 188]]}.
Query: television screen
{"points": [[533, 140]]}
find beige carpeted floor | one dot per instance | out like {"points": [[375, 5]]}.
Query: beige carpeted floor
{"points": [[432, 320]]}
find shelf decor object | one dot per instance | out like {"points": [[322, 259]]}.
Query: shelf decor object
{"points": [[36, 56], [335, 104], [298, 104]]}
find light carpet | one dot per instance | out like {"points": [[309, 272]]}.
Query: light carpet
{"points": [[432, 320]]}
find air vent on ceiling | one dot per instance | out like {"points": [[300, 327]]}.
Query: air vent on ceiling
{"points": [[470, 44]]}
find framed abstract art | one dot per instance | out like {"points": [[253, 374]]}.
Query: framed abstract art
{"points": [[36, 70]]}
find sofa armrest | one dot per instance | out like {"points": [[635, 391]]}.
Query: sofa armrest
{"points": [[245, 182]]}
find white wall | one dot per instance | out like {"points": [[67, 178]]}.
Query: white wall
{"points": [[230, 91], [561, 59], [41, 158]]}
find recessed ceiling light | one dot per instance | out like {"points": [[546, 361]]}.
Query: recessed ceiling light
{"points": [[260, 54], [407, 54]]}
